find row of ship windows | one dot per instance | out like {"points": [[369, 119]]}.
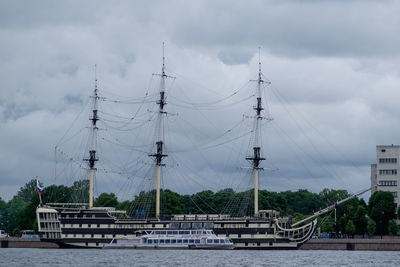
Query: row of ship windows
{"points": [[388, 183], [388, 160], [76, 216], [183, 241], [388, 172], [48, 216]]}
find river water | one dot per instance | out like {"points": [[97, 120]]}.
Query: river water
{"points": [[97, 257]]}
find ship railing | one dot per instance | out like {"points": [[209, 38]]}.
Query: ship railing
{"points": [[299, 234]]}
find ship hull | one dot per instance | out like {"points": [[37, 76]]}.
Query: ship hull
{"points": [[92, 228]]}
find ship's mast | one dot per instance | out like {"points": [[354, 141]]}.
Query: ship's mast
{"points": [[256, 158], [93, 140], [159, 155]]}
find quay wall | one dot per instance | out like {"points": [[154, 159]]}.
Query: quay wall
{"points": [[386, 243], [17, 242]]}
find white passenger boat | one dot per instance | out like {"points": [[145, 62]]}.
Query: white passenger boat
{"points": [[174, 239]]}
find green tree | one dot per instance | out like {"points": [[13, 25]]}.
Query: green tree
{"points": [[398, 212], [106, 200], [12, 214], [3, 205], [360, 220], [331, 196], [327, 225], [371, 227], [350, 228], [393, 228], [80, 191], [381, 208], [28, 190]]}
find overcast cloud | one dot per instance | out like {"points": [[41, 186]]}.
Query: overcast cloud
{"points": [[334, 68]]}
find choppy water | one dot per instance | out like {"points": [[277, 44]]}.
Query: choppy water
{"points": [[87, 257]]}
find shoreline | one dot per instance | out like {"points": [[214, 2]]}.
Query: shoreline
{"points": [[387, 243]]}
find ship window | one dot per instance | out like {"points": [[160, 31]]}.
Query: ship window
{"points": [[173, 241], [156, 232], [74, 235], [86, 244], [239, 235], [97, 244], [75, 216], [89, 225], [84, 215], [72, 225], [258, 243], [92, 235], [80, 225], [102, 235], [179, 241], [163, 232], [167, 241], [93, 216], [215, 241], [150, 241], [185, 241], [66, 235], [113, 235], [209, 241], [98, 225], [161, 241], [174, 232], [187, 232], [197, 241], [109, 225], [191, 241], [67, 216], [83, 235], [153, 225], [246, 244], [156, 241]]}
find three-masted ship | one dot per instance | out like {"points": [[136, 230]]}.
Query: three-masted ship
{"points": [[86, 226]]}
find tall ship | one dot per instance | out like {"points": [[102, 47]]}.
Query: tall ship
{"points": [[82, 225]]}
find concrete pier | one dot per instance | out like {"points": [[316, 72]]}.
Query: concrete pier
{"points": [[387, 243], [17, 242]]}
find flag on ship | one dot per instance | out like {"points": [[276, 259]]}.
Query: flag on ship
{"points": [[38, 188]]}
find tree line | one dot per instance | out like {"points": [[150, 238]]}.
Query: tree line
{"points": [[354, 217]]}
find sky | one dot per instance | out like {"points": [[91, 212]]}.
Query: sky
{"points": [[333, 68]]}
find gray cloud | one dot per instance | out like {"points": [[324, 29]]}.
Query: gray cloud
{"points": [[333, 67]]}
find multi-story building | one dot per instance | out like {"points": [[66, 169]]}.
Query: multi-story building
{"points": [[385, 174]]}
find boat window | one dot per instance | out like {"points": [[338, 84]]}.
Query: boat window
{"points": [[187, 232], [161, 241], [191, 241], [209, 241], [215, 241], [163, 232], [149, 241], [156, 241], [174, 232], [167, 241], [179, 241], [156, 232], [185, 241], [197, 241], [173, 241], [180, 232]]}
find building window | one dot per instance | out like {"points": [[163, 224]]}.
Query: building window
{"points": [[388, 172], [383, 150], [387, 160], [394, 194], [388, 183]]}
